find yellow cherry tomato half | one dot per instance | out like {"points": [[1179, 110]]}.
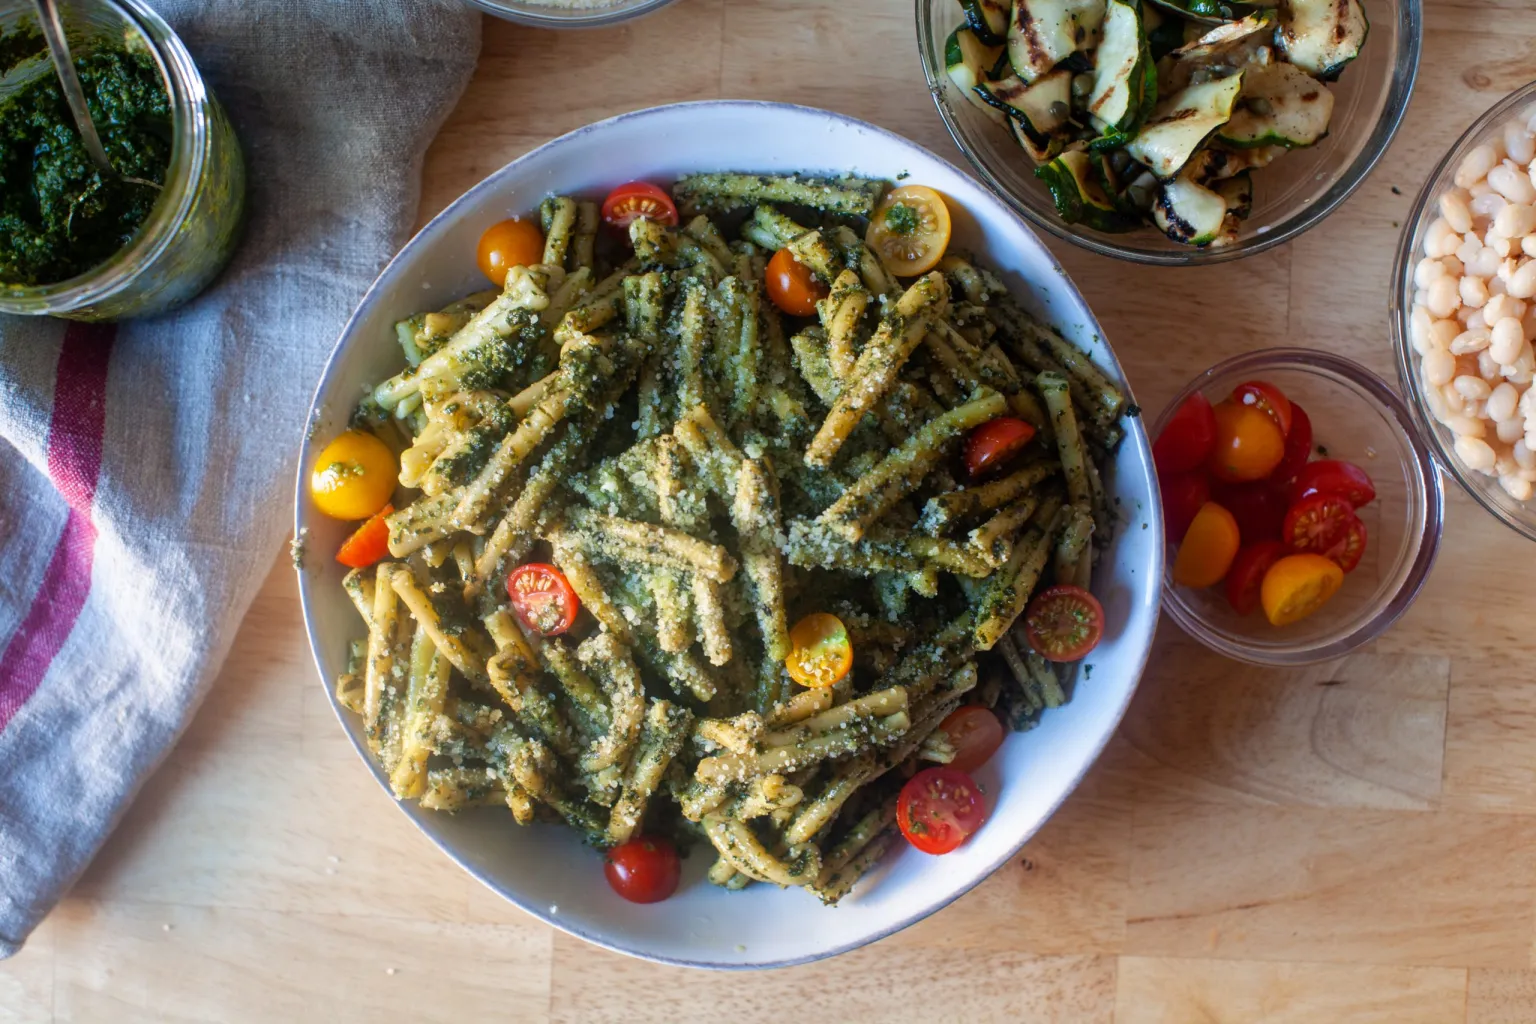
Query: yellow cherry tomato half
{"points": [[1208, 547], [507, 244], [354, 476], [1249, 443], [909, 230], [820, 651], [1298, 585]]}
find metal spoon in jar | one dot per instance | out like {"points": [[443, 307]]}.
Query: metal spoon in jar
{"points": [[74, 94]]}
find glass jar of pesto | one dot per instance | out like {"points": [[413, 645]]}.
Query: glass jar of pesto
{"points": [[191, 225]]}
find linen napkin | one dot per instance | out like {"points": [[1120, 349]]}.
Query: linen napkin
{"points": [[146, 468]]}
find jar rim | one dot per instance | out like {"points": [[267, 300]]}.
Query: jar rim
{"points": [[189, 132]]}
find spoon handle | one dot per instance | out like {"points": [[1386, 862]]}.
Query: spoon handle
{"points": [[74, 94]]}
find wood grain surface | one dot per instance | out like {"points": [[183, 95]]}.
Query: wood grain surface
{"points": [[1350, 842]]}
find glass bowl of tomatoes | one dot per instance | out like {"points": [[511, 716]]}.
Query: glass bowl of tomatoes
{"points": [[1302, 512]]}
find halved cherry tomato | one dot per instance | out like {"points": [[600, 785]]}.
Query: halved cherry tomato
{"points": [[1298, 585], [995, 442], [791, 285], [643, 870], [1267, 398], [1334, 476], [1317, 524], [1259, 508], [909, 230], [1298, 446], [1347, 550], [1183, 495], [354, 476], [369, 543], [1245, 579], [975, 733], [1248, 443], [635, 199], [1187, 440], [1064, 623], [507, 244], [939, 808], [1208, 548], [542, 598], [820, 651]]}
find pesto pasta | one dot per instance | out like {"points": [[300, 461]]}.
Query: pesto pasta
{"points": [[631, 483]]}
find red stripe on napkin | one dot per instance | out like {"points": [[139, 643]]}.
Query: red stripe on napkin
{"points": [[74, 463]]}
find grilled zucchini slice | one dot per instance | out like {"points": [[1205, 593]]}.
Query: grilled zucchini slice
{"points": [[1182, 123], [1036, 113], [988, 19], [1188, 212], [1238, 192], [1321, 36], [1079, 198], [1043, 33], [967, 62], [1114, 101], [1280, 105]]}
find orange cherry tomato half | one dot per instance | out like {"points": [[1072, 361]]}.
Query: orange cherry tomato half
{"points": [[995, 442], [1268, 399], [1064, 623], [939, 808], [820, 651], [1186, 442], [507, 244], [1334, 476], [975, 733], [369, 543], [635, 199], [542, 598], [791, 285], [1298, 585], [1246, 577], [1298, 446], [1208, 548], [1249, 444], [644, 870]]}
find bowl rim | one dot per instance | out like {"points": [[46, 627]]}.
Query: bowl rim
{"points": [[1433, 527], [440, 222], [1400, 312], [1410, 21], [575, 18]]}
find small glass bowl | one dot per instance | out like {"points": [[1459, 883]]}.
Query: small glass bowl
{"points": [[557, 15], [192, 230], [1518, 516], [1290, 196], [1357, 417]]}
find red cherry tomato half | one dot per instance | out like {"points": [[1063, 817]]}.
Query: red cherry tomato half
{"points": [[1259, 508], [1316, 524], [633, 200], [542, 598], [1245, 579], [1268, 398], [368, 544], [975, 733], [938, 808], [1064, 623], [1334, 476], [643, 870], [791, 285], [1187, 440], [1183, 494], [1349, 548], [995, 442], [1298, 446]]}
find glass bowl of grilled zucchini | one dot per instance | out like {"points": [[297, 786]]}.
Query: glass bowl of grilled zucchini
{"points": [[1171, 132]]}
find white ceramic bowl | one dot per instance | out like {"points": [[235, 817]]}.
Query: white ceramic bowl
{"points": [[544, 869]]}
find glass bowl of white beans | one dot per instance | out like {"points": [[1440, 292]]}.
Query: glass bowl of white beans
{"points": [[569, 13], [1355, 416], [1464, 310]]}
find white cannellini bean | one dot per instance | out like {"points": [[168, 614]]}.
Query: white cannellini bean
{"points": [[1470, 246], [1528, 405], [1512, 184], [1469, 318], [1436, 236], [1528, 474], [1443, 332], [1525, 458], [1474, 452], [1419, 325], [1428, 271], [1505, 340], [1481, 188], [1516, 220], [1489, 204], [1503, 462], [1474, 291], [1436, 403], [1525, 362], [1485, 264], [1471, 340], [1476, 165], [1528, 245], [1439, 367], [1516, 487], [1497, 244], [1519, 143], [1454, 208], [1463, 425], [1522, 283], [1487, 367], [1452, 265], [1473, 389], [1443, 297], [1501, 403], [1496, 284], [1509, 431]]}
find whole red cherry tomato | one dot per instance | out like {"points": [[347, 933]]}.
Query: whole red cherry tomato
{"points": [[1334, 476], [644, 870], [1183, 494], [1187, 440]]}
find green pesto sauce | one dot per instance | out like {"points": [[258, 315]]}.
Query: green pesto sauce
{"points": [[58, 216], [901, 219]]}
